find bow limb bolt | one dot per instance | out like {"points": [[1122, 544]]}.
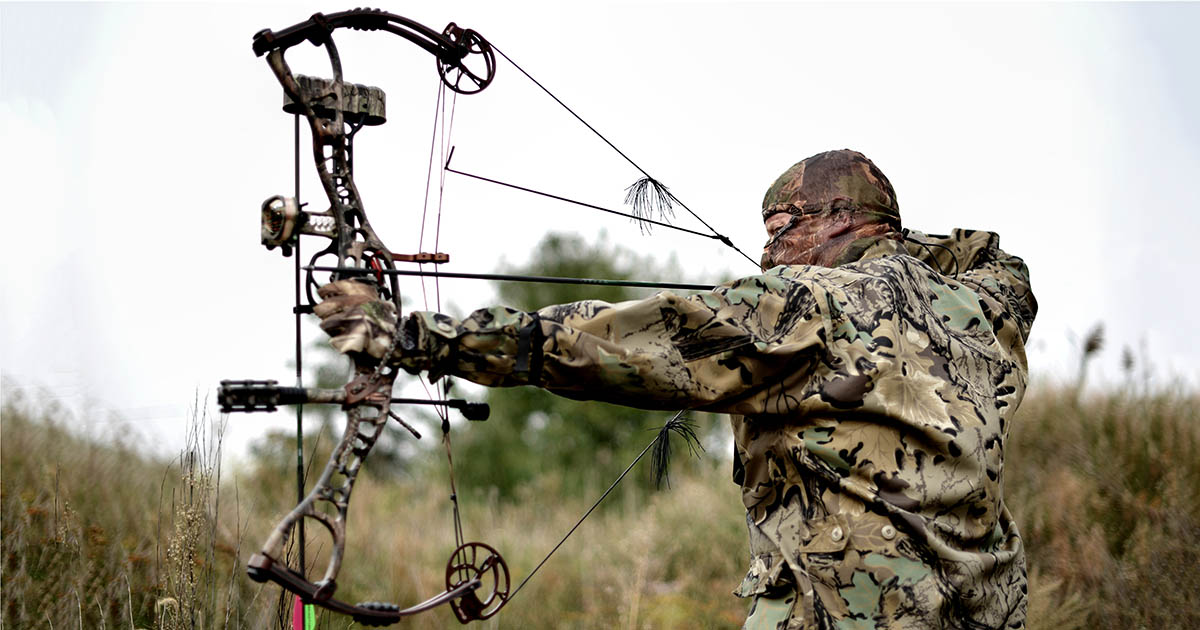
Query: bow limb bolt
{"points": [[476, 575]]}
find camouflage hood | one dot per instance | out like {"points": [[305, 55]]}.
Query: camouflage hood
{"points": [[833, 180]]}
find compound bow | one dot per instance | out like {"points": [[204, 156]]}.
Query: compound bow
{"points": [[477, 578], [476, 575]]}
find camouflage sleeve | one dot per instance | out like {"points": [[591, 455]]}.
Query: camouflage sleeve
{"points": [[664, 352]]}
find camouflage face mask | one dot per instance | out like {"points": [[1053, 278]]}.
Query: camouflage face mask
{"points": [[827, 239], [840, 197], [834, 180]]}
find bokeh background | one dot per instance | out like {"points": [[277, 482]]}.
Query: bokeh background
{"points": [[142, 138]]}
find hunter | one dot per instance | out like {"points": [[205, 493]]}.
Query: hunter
{"points": [[871, 375]]}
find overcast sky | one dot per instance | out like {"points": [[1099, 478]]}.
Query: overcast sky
{"points": [[141, 139]]}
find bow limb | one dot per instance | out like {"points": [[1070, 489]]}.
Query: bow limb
{"points": [[454, 47]]}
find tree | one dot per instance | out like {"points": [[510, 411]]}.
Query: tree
{"points": [[583, 444], [275, 452]]}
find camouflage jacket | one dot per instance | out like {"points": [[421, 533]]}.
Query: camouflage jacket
{"points": [[870, 404]]}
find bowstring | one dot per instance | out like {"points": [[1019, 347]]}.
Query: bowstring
{"points": [[447, 129], [424, 213], [447, 138], [653, 183], [429, 178], [443, 126], [447, 126], [657, 441], [443, 129]]}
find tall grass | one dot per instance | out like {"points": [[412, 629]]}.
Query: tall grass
{"points": [[78, 527], [97, 533], [1105, 487]]}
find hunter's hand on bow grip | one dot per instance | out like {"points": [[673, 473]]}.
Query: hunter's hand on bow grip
{"points": [[357, 321]]}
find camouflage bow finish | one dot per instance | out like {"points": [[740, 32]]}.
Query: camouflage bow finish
{"points": [[336, 111]]}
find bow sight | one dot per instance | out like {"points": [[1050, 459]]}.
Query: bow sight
{"points": [[477, 583]]}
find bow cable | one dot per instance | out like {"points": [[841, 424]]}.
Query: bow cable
{"points": [[447, 133], [305, 610], [443, 129], [429, 178], [300, 539]]}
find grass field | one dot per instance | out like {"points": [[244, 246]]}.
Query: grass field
{"points": [[1106, 490]]}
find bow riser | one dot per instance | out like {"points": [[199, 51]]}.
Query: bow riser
{"points": [[355, 242]]}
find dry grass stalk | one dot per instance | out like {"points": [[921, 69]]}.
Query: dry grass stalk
{"points": [[1106, 489]]}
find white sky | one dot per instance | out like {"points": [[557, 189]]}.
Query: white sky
{"points": [[141, 139]]}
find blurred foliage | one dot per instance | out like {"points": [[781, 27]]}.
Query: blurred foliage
{"points": [[275, 452], [531, 431], [97, 532], [1105, 488]]}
